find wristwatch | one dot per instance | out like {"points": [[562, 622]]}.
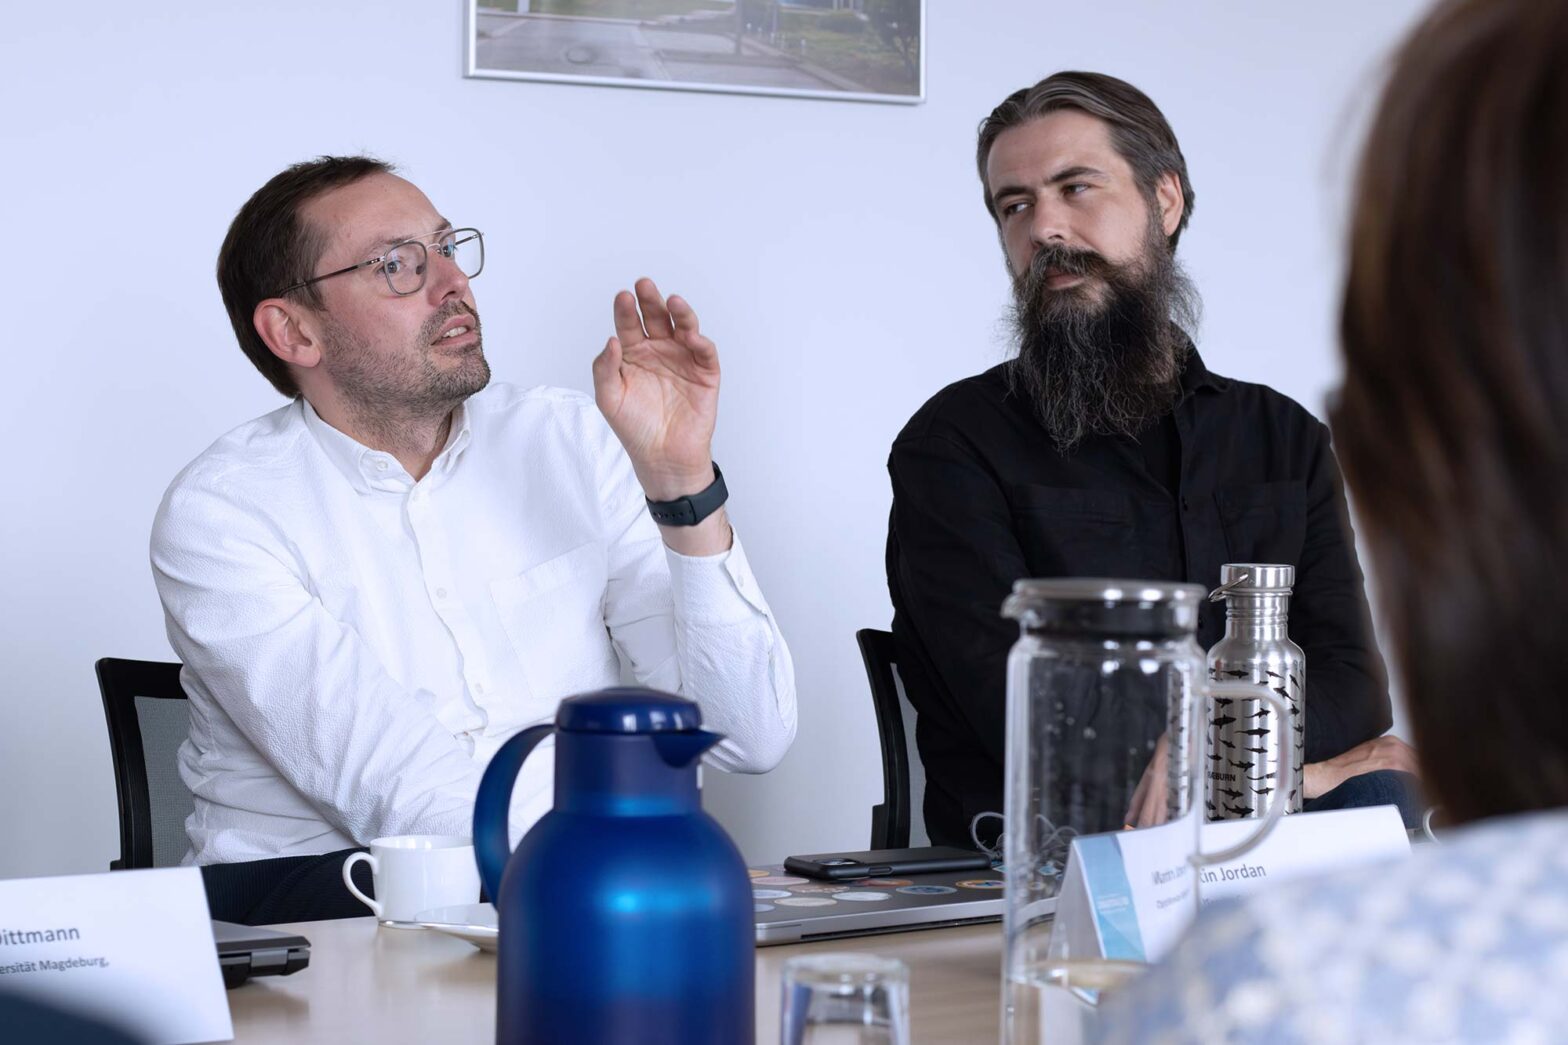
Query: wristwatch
{"points": [[689, 511]]}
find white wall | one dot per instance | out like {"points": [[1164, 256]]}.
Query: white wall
{"points": [[838, 252]]}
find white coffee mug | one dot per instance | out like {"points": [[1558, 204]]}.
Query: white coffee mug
{"points": [[414, 873]]}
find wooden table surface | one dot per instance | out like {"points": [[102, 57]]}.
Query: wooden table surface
{"points": [[370, 984]]}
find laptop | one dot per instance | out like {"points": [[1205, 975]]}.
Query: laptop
{"points": [[794, 909], [245, 951]]}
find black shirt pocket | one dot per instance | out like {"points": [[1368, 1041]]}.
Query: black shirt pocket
{"points": [[1264, 522], [1066, 532]]}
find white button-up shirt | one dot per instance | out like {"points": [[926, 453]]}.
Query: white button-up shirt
{"points": [[357, 644]]}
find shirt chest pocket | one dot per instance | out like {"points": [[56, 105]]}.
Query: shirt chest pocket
{"points": [[553, 614], [1264, 522], [1076, 533]]}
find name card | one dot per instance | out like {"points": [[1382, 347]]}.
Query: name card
{"points": [[1126, 894], [132, 948], [1302, 844], [1129, 894]]}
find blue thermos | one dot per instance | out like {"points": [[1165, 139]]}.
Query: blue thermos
{"points": [[626, 912]]}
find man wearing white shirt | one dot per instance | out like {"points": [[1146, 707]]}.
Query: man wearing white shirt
{"points": [[376, 585]]}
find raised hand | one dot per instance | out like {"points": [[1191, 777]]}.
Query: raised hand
{"points": [[657, 383]]}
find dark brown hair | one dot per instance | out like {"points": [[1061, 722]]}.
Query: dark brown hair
{"points": [[1453, 421], [270, 246], [1139, 131]]}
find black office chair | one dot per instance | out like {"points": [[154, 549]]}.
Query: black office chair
{"points": [[148, 719], [897, 819]]}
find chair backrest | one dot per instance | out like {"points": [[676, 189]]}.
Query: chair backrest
{"points": [[148, 718], [897, 822]]}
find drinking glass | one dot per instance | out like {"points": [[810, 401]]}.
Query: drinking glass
{"points": [[1056, 1001], [844, 999]]}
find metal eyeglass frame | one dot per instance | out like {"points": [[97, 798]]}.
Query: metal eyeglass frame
{"points": [[424, 267]]}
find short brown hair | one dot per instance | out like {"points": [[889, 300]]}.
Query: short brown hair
{"points": [[270, 246], [1139, 131], [1452, 424]]}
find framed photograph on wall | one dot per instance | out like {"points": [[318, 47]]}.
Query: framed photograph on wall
{"points": [[853, 50]]}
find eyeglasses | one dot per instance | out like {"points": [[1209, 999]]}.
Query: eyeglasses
{"points": [[406, 264]]}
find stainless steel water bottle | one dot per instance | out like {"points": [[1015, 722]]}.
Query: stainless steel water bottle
{"points": [[1251, 753]]}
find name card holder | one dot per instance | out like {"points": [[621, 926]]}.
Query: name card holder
{"points": [[1128, 894], [131, 948]]}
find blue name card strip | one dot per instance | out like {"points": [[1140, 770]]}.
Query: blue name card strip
{"points": [[1116, 918]]}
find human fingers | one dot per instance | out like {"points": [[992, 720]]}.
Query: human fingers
{"points": [[1385, 752], [1144, 817], [1135, 807], [1394, 753], [655, 314], [1146, 781], [1155, 809], [703, 350], [683, 315], [607, 376], [628, 325]]}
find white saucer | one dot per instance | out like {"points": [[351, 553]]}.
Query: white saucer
{"points": [[474, 922]]}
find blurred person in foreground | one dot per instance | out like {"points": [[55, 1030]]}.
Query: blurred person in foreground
{"points": [[1452, 427]]}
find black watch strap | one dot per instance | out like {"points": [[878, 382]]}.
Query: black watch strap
{"points": [[689, 511]]}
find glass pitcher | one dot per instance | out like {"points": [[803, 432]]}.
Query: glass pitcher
{"points": [[1105, 683]]}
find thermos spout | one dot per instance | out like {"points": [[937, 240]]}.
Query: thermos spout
{"points": [[681, 749]]}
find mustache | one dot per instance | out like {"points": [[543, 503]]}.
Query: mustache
{"points": [[433, 325], [1058, 259], [1101, 367]]}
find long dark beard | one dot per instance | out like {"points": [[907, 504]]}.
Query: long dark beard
{"points": [[1109, 365]]}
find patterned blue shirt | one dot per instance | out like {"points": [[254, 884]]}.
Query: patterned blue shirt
{"points": [[1465, 942]]}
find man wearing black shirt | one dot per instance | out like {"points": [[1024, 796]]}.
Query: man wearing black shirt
{"points": [[1107, 449]]}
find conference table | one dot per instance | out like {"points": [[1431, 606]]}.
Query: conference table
{"points": [[366, 983]]}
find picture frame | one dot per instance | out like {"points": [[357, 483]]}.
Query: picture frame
{"points": [[843, 50]]}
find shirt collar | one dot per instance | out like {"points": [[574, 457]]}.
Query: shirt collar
{"points": [[368, 469], [1195, 375], [457, 440]]}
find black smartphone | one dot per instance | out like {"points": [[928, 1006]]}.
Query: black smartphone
{"points": [[874, 863]]}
